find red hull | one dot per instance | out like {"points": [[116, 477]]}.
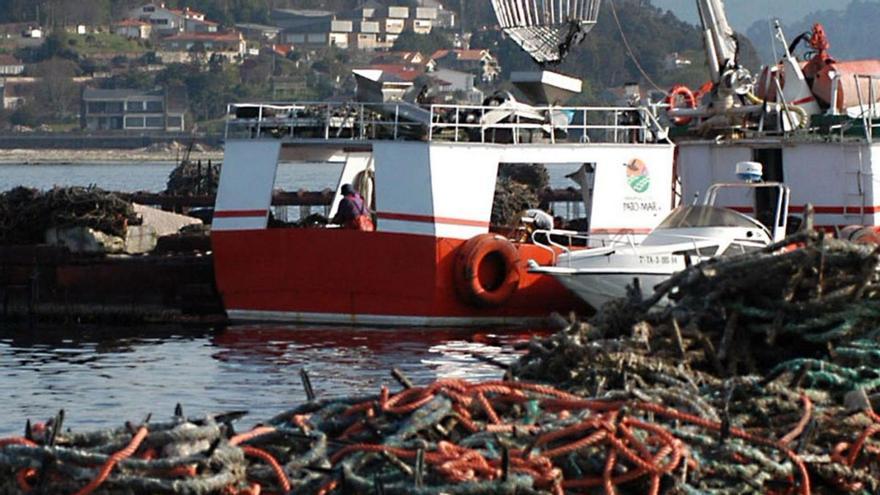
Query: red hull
{"points": [[330, 275]]}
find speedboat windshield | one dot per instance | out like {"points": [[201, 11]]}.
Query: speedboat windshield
{"points": [[705, 216]]}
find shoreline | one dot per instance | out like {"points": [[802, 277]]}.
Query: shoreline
{"points": [[122, 156]]}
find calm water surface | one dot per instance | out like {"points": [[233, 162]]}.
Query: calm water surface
{"points": [[147, 176], [103, 376]]}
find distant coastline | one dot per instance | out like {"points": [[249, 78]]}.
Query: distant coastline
{"points": [[69, 156]]}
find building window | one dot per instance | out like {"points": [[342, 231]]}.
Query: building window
{"points": [[134, 122], [105, 107], [154, 106], [155, 123], [134, 106], [175, 122]]}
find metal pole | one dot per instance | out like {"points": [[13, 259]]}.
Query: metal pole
{"points": [[396, 119]]}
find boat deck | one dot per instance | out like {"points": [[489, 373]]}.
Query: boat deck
{"points": [[508, 123]]}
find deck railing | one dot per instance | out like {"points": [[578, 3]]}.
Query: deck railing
{"points": [[507, 123]]}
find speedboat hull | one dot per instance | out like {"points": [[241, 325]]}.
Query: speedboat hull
{"points": [[599, 288]]}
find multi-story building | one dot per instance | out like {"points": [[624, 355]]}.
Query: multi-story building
{"points": [[258, 32], [162, 20], [229, 45], [313, 28], [167, 21], [132, 110], [200, 26]]}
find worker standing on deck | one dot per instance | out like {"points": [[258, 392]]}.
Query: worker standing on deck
{"points": [[352, 212]]}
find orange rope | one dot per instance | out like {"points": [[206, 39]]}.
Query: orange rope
{"points": [[250, 435], [23, 479], [267, 457], [23, 475], [802, 424], [114, 459]]}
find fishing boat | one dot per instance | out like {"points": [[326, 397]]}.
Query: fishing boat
{"points": [[690, 235], [433, 258], [428, 174], [810, 121]]}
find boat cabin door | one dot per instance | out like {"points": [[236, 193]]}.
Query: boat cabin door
{"points": [[773, 216]]}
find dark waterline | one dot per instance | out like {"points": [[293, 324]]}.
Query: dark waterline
{"points": [[103, 377]]}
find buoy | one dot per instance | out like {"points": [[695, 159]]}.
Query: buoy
{"points": [[680, 90]]}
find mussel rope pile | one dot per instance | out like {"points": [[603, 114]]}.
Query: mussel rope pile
{"points": [[644, 402], [26, 214], [193, 178], [783, 346]]}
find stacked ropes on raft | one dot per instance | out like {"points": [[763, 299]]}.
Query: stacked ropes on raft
{"points": [[757, 379], [26, 214]]}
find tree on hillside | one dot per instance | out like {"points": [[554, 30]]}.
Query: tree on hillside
{"points": [[409, 41], [56, 90]]}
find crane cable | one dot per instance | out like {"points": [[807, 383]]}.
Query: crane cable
{"points": [[629, 50]]}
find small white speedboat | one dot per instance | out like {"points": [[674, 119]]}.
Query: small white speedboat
{"points": [[687, 236]]}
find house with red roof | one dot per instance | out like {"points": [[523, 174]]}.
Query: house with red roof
{"points": [[407, 58], [135, 29], [10, 65], [479, 62], [168, 21]]}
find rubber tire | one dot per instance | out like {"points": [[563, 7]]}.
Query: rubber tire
{"points": [[466, 277]]}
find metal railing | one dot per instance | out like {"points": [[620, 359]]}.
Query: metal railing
{"points": [[595, 245], [508, 123]]}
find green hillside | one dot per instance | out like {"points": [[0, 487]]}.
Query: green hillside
{"points": [[851, 30]]}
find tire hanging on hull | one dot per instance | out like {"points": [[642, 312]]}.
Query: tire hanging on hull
{"points": [[486, 271]]}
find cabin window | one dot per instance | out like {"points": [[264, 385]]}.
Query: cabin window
{"points": [[736, 248], [703, 251], [766, 198]]}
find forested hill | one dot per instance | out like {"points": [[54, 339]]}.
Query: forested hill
{"points": [[852, 31], [602, 60], [102, 11]]}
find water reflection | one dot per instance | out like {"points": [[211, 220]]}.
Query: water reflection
{"points": [[104, 376]]}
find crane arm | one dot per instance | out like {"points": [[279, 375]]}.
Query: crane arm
{"points": [[721, 43]]}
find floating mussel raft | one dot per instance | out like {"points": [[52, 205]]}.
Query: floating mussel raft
{"points": [[757, 377]]}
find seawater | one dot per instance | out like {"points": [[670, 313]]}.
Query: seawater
{"points": [[148, 176], [153, 176], [103, 377]]}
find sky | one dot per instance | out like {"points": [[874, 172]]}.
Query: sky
{"points": [[743, 13]]}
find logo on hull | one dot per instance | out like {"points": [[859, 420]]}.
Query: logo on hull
{"points": [[637, 176]]}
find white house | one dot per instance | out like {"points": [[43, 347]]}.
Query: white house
{"points": [[166, 21], [10, 66], [133, 29]]}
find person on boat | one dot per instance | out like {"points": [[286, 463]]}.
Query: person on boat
{"points": [[352, 212], [539, 219]]}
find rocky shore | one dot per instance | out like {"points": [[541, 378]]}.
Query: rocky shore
{"points": [[66, 156]]}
